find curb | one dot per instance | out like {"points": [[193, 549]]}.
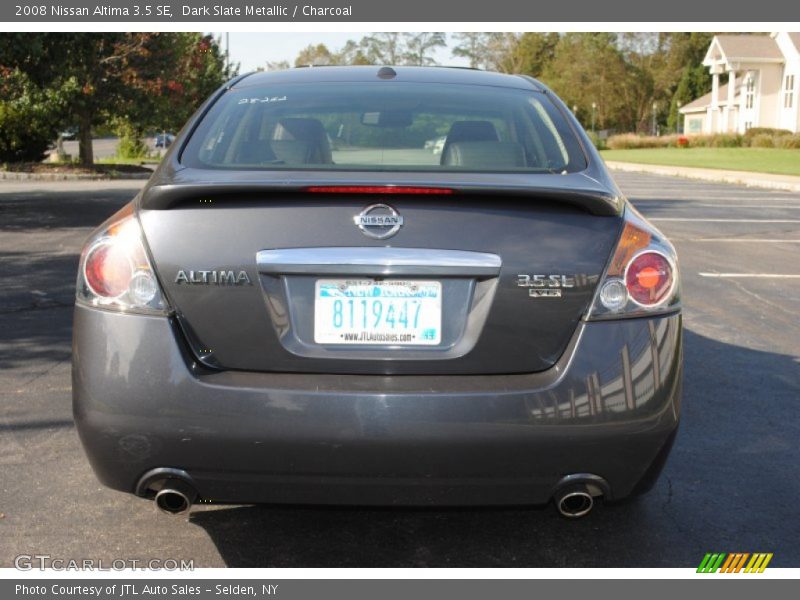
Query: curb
{"points": [[786, 183]]}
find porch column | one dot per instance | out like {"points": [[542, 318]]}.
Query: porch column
{"points": [[713, 109], [730, 121]]}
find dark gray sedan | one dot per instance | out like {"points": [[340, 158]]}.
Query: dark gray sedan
{"points": [[307, 304]]}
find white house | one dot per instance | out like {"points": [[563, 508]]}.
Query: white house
{"points": [[761, 85]]}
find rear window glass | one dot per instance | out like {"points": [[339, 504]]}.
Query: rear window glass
{"points": [[385, 126]]}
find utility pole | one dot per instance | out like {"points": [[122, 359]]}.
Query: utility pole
{"points": [[655, 108]]}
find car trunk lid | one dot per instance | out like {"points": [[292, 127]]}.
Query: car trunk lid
{"points": [[245, 271]]}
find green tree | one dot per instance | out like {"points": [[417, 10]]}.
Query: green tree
{"points": [[32, 106], [589, 68], [196, 68], [143, 79], [690, 78], [420, 47], [29, 117], [472, 46], [646, 82], [526, 53], [384, 48], [501, 52], [353, 53], [534, 52]]}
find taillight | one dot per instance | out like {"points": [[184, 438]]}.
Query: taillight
{"points": [[115, 272], [107, 269], [649, 278], [641, 277]]}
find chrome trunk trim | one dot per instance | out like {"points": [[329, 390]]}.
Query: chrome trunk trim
{"points": [[379, 261]]}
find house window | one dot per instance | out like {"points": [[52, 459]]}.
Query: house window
{"points": [[694, 126], [788, 92], [749, 92], [747, 125]]}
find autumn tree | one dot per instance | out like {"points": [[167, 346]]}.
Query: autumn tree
{"points": [[312, 56], [142, 79]]}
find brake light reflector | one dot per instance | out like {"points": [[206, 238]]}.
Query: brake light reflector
{"points": [[376, 189], [649, 278]]}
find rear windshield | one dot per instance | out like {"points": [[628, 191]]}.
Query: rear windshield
{"points": [[385, 126]]}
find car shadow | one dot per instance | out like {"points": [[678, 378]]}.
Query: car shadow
{"points": [[48, 209], [730, 485]]}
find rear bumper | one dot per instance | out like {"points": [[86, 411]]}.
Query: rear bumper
{"points": [[609, 407]]}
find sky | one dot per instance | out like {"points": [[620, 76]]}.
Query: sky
{"points": [[254, 50]]}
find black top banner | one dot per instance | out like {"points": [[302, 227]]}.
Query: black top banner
{"points": [[709, 11]]}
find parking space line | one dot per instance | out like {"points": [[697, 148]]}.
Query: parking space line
{"points": [[704, 220], [751, 275], [737, 240], [759, 206]]}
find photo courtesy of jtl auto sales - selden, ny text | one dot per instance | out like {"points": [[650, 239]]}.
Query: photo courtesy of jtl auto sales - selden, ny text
{"points": [[362, 299]]}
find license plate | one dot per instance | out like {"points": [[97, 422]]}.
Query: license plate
{"points": [[389, 312]]}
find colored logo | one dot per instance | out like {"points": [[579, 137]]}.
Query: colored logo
{"points": [[735, 563]]}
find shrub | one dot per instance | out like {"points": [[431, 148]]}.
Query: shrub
{"points": [[789, 142], [28, 118], [718, 140], [762, 140], [596, 141], [771, 131], [130, 143], [631, 141]]}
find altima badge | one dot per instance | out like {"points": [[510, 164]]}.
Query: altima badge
{"points": [[212, 277], [379, 221]]}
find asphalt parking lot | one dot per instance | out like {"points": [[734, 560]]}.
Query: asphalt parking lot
{"points": [[731, 485]]}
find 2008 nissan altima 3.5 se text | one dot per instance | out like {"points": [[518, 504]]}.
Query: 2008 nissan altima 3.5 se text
{"points": [[379, 285]]}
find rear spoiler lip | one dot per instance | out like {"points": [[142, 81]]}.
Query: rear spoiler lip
{"points": [[575, 189]]}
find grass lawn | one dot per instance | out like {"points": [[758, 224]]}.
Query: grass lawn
{"points": [[763, 160]]}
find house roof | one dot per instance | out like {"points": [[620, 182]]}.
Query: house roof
{"points": [[795, 37], [703, 101], [738, 47]]}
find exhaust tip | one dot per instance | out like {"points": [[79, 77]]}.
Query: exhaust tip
{"points": [[574, 495], [175, 497], [574, 504]]}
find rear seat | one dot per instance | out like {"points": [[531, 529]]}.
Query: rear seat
{"points": [[484, 155], [301, 141], [292, 152]]}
